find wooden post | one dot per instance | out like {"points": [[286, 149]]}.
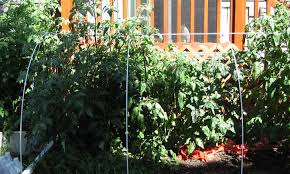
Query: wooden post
{"points": [[165, 19], [138, 5], [192, 20], [205, 21], [112, 7], [239, 22], [231, 19], [178, 20], [269, 5], [66, 6], [125, 9], [256, 9], [99, 17], [152, 13], [218, 20]]}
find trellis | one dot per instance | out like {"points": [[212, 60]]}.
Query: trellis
{"points": [[200, 51]]}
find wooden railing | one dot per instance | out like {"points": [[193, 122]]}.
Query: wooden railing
{"points": [[237, 18]]}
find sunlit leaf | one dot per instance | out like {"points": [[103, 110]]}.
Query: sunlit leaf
{"points": [[199, 142]]}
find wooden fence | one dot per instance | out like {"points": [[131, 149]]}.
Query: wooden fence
{"points": [[205, 9]]}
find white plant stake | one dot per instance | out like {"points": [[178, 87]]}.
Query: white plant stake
{"points": [[22, 102], [127, 81], [242, 110], [34, 53]]}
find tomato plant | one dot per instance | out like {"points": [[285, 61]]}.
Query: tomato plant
{"points": [[21, 26], [76, 93], [78, 88], [267, 76]]}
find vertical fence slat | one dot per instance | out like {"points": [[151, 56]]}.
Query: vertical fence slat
{"points": [[218, 20], [270, 4], [256, 9], [112, 19], [152, 13], [178, 20], [192, 21], [99, 9], [239, 22], [205, 23], [138, 4], [125, 9], [112, 6], [231, 19], [165, 19], [66, 6]]}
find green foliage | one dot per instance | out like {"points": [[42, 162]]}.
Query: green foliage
{"points": [[267, 88], [78, 89], [20, 27], [78, 92], [85, 163], [76, 95], [183, 102]]}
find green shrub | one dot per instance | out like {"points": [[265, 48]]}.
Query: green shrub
{"points": [[78, 95], [267, 83], [183, 102], [20, 27], [77, 161]]}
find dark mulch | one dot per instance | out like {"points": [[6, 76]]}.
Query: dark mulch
{"points": [[266, 161]]}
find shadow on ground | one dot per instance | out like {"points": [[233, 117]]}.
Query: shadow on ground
{"points": [[73, 161]]}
